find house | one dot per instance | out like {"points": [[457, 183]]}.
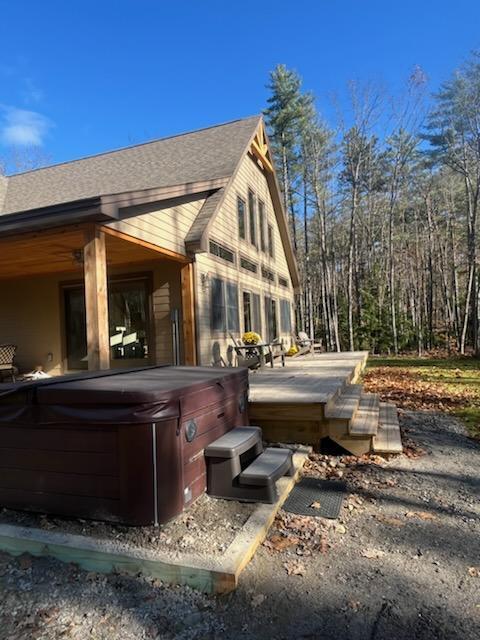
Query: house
{"points": [[151, 254]]}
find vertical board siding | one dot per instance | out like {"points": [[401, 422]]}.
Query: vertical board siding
{"points": [[224, 230]]}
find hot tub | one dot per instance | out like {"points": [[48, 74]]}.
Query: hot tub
{"points": [[121, 446]]}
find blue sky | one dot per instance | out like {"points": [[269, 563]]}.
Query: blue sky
{"points": [[78, 78]]}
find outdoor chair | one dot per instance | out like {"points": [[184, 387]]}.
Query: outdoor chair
{"points": [[304, 344], [246, 356], [7, 356]]}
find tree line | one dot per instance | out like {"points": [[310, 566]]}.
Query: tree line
{"points": [[383, 211]]}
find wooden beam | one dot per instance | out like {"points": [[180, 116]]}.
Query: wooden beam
{"points": [[188, 315], [96, 299], [259, 153], [166, 253]]}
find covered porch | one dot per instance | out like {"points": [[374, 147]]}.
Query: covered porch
{"points": [[87, 296]]}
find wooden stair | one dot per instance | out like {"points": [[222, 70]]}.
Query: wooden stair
{"points": [[361, 424], [388, 438]]}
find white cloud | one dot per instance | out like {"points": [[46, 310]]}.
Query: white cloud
{"points": [[23, 128]]}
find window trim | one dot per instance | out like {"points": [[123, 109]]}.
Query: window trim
{"points": [[226, 248], [252, 217], [270, 241], [225, 328], [245, 236], [253, 292], [262, 219]]}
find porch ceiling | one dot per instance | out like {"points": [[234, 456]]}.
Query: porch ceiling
{"points": [[61, 251]]}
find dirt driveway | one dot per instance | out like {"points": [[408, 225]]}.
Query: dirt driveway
{"points": [[403, 562]]}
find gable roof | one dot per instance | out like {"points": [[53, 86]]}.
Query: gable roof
{"points": [[199, 156]]}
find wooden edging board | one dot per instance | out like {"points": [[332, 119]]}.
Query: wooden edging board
{"points": [[213, 575]]}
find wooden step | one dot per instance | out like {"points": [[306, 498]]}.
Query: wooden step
{"points": [[365, 421], [346, 404], [388, 438]]}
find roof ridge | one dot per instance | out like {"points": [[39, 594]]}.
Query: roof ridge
{"points": [[133, 146]]}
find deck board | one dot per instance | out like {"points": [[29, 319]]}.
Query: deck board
{"points": [[365, 422], [346, 404], [388, 438]]}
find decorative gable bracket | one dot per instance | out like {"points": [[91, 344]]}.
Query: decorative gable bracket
{"points": [[260, 149]]}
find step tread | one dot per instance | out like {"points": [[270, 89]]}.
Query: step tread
{"points": [[269, 466], [346, 404], [365, 421], [234, 443], [388, 438]]}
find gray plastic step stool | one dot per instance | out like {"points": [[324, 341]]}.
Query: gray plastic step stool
{"points": [[238, 468]]}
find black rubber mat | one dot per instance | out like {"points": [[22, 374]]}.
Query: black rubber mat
{"points": [[326, 496]]}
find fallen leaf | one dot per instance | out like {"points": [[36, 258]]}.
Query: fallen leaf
{"points": [[294, 568], [280, 543], [423, 515], [372, 554], [474, 572], [315, 505], [393, 522], [258, 599], [25, 562], [339, 528]]}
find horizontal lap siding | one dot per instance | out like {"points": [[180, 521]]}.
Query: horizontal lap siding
{"points": [[166, 228], [224, 230]]}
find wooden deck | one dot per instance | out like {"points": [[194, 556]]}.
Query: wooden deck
{"points": [[315, 396]]}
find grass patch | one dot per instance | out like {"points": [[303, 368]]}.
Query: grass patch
{"points": [[434, 384]]}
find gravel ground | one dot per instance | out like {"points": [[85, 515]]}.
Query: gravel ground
{"points": [[206, 529], [402, 562]]}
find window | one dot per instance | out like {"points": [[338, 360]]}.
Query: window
{"points": [[218, 305], [261, 222], [128, 320], [247, 311], [251, 312], [283, 282], [248, 265], [242, 230], [224, 306], [268, 275], [271, 318], [233, 323], [222, 252], [270, 241], [285, 316], [252, 216]]}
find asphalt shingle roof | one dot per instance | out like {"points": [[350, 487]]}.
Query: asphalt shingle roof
{"points": [[205, 154]]}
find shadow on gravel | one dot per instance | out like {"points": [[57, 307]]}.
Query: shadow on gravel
{"points": [[374, 603]]}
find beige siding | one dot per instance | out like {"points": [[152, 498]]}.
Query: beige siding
{"points": [[31, 314], [224, 230], [165, 227]]}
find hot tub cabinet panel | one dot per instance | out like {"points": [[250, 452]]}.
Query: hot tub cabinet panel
{"points": [[116, 446]]}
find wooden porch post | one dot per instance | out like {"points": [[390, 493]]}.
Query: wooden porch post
{"points": [[188, 315], [96, 299]]}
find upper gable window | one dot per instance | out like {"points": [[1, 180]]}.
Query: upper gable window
{"points": [[252, 214], [261, 224], [221, 252], [270, 241], [242, 223]]}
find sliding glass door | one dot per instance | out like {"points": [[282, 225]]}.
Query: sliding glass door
{"points": [[129, 323]]}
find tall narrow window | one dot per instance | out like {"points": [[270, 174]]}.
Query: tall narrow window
{"points": [[271, 318], [285, 316], [218, 305], [242, 231], [247, 311], [270, 240], [261, 223], [233, 323], [252, 217], [257, 315]]}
